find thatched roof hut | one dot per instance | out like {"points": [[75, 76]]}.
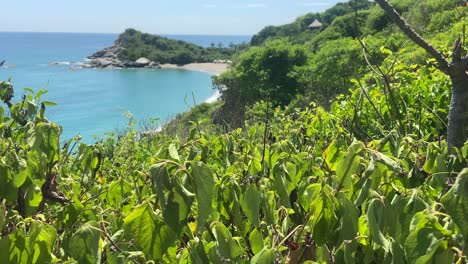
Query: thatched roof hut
{"points": [[316, 24]]}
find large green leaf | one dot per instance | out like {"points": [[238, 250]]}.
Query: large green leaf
{"points": [[455, 201], [148, 231], [177, 209], [118, 191], [2, 215], [24, 171], [348, 166], [323, 219], [7, 188], [197, 252], [250, 203], [375, 218], [204, 186], [84, 244], [280, 185], [349, 218], [41, 242], [173, 152], [5, 249], [226, 246], [33, 244], [33, 198], [332, 155], [387, 161], [256, 241], [368, 179], [265, 256], [427, 239]]}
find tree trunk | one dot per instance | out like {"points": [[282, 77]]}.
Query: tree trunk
{"points": [[458, 118], [456, 70]]}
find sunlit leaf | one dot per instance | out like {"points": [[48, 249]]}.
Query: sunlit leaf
{"points": [[250, 203], [84, 244], [204, 186]]}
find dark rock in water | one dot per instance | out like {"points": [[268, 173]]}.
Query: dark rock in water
{"points": [[2, 62]]}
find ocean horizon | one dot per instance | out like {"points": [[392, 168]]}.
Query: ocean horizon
{"points": [[92, 102]]}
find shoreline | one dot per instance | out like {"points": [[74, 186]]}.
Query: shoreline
{"points": [[209, 67]]}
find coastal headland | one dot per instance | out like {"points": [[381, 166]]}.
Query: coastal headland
{"points": [[134, 49]]}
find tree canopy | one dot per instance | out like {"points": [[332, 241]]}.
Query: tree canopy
{"points": [[263, 73]]}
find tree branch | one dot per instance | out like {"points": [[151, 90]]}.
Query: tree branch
{"points": [[413, 35]]}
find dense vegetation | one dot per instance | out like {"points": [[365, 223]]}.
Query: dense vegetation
{"points": [[165, 50], [318, 185], [265, 73], [345, 48], [299, 32], [361, 177]]}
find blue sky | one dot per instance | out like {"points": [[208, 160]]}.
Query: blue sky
{"points": [[218, 17]]}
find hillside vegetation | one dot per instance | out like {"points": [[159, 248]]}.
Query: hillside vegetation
{"points": [[350, 43], [329, 157], [164, 50]]}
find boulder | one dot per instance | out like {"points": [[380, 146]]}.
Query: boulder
{"points": [[101, 62], [142, 62], [105, 63], [154, 65]]}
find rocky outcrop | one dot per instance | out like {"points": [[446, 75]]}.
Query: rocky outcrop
{"points": [[108, 58], [110, 52]]}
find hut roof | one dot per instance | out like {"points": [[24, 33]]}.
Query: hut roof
{"points": [[316, 24]]}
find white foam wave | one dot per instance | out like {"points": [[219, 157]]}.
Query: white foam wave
{"points": [[215, 97], [60, 63]]}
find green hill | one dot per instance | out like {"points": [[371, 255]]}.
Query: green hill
{"points": [[164, 50]]}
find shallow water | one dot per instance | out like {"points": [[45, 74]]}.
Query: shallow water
{"points": [[93, 101]]}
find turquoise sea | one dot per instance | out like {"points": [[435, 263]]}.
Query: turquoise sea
{"points": [[91, 101]]}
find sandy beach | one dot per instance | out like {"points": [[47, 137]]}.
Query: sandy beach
{"points": [[213, 68]]}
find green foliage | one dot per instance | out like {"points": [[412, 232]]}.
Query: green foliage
{"points": [[196, 120], [32, 242], [337, 55], [84, 244], [329, 70], [368, 181], [262, 73], [298, 31], [165, 50], [148, 231]]}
